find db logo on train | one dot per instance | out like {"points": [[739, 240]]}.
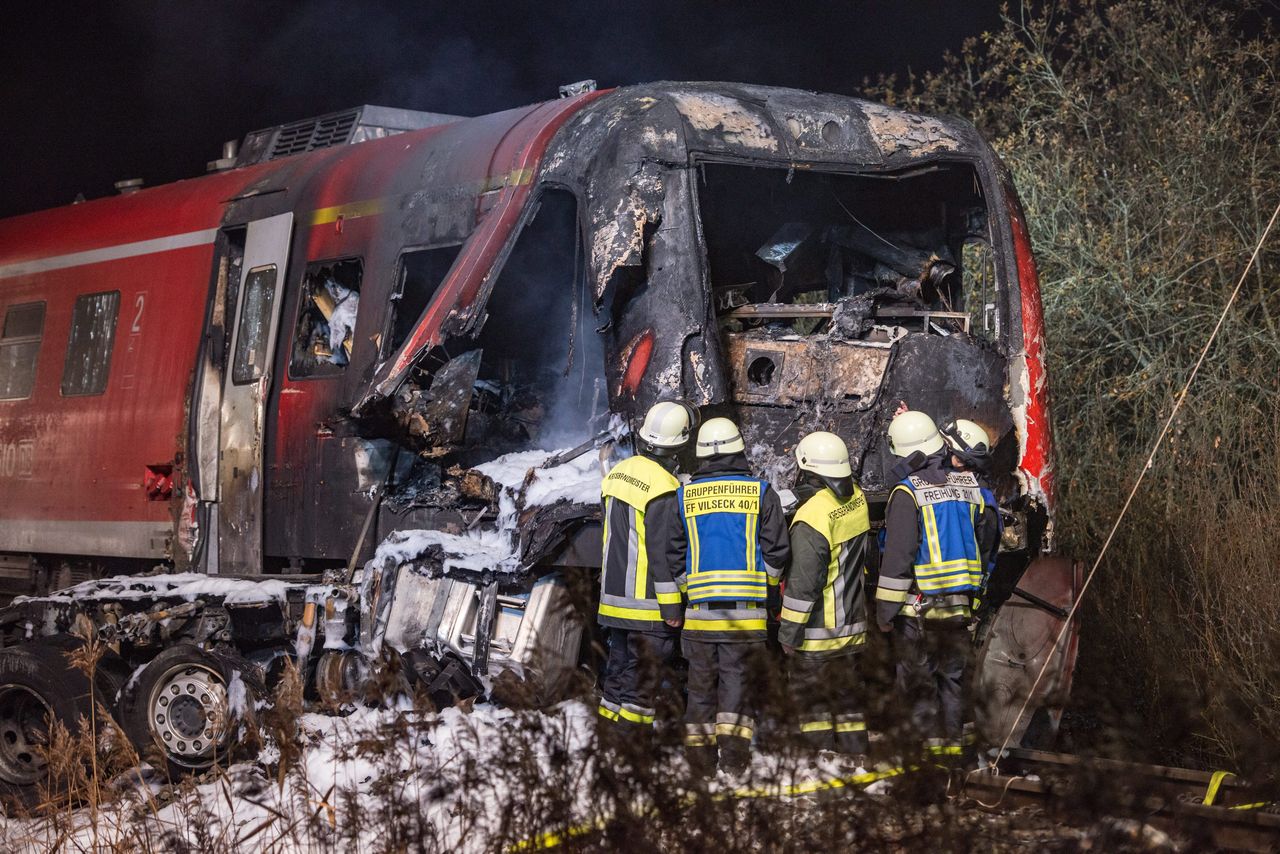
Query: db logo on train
{"points": [[17, 459]]}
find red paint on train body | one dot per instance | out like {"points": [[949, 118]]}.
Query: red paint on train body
{"points": [[80, 487], [89, 454]]}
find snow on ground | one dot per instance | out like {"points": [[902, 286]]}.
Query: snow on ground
{"points": [[380, 779], [374, 780], [183, 585], [495, 546]]}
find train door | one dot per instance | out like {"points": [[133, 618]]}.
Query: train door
{"points": [[246, 389]]}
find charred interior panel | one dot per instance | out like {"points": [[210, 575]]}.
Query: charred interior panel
{"points": [[842, 296]]}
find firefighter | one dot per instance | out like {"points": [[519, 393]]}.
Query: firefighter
{"points": [[971, 451], [941, 533], [633, 589], [727, 544], [824, 606]]}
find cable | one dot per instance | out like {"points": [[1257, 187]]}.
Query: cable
{"points": [[1182, 396]]}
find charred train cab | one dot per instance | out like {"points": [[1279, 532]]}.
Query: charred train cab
{"points": [[350, 332]]}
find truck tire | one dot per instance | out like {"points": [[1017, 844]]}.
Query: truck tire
{"points": [[186, 706], [38, 686]]}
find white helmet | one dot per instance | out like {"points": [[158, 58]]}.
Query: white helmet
{"points": [[824, 454], [966, 437], [719, 436], [666, 426], [913, 431]]}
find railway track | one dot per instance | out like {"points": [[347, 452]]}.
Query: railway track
{"points": [[1213, 809], [1205, 809]]}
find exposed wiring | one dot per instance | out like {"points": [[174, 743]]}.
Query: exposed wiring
{"points": [[863, 224]]}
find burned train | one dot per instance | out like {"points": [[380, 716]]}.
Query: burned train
{"points": [[318, 387]]}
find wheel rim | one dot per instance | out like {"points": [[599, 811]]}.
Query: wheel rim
{"points": [[188, 715], [24, 734]]}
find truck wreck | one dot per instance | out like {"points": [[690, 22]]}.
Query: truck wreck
{"points": [[399, 338]]}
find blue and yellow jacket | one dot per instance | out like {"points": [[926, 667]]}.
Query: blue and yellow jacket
{"points": [[942, 528], [726, 547]]}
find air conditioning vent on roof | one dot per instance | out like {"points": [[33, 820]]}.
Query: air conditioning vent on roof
{"points": [[345, 128], [311, 134]]}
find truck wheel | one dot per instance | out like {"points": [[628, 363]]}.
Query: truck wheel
{"points": [[38, 687], [186, 704]]}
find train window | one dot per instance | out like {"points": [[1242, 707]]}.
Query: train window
{"points": [[253, 336], [327, 319], [19, 346], [93, 331], [421, 272]]}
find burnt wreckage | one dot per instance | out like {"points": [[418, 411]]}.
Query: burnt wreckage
{"points": [[792, 260]]}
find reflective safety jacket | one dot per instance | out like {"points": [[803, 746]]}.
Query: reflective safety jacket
{"points": [[630, 595], [954, 531], [824, 607], [724, 561], [726, 546]]}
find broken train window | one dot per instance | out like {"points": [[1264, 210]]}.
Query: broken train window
{"points": [[19, 347], [541, 375], [420, 273], [93, 330], [870, 256], [253, 334], [325, 332]]}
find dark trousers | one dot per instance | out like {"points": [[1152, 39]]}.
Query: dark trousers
{"points": [[719, 716], [932, 669], [827, 692], [638, 663]]}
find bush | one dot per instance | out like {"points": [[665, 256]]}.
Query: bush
{"points": [[1142, 135]]}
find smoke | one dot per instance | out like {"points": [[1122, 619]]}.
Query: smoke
{"points": [[539, 339], [578, 405]]}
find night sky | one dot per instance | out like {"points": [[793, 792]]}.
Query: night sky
{"points": [[125, 88]]}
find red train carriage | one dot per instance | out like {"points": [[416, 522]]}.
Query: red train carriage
{"points": [[271, 368]]}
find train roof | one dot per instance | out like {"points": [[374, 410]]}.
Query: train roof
{"points": [[359, 157]]}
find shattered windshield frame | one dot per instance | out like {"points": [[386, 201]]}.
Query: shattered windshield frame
{"points": [[811, 319]]}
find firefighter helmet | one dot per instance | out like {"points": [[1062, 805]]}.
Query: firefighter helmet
{"points": [[913, 431], [824, 454], [666, 426], [966, 437], [719, 436], [969, 444]]}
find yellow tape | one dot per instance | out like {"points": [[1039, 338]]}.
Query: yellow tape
{"points": [[555, 840], [852, 726], [1215, 783]]}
